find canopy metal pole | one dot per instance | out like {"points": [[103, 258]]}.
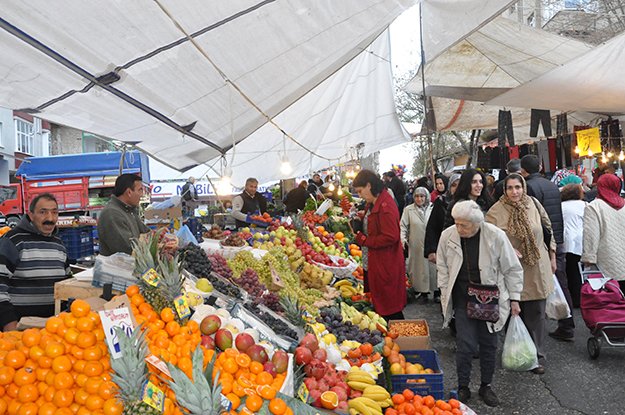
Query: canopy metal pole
{"points": [[426, 109]]}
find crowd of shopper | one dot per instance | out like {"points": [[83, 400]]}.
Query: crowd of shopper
{"points": [[510, 237]]}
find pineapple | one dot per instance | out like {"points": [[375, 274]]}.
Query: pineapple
{"points": [[131, 372], [293, 311], [146, 253], [302, 228], [200, 395]]}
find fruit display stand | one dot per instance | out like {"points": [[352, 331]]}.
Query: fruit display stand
{"points": [[421, 384]]}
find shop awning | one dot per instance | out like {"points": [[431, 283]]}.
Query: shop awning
{"points": [[185, 80], [502, 54], [592, 82]]}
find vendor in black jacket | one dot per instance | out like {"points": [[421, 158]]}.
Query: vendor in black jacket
{"points": [[548, 195], [248, 202]]}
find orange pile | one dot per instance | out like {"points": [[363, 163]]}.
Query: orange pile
{"points": [[410, 404], [62, 369], [240, 377]]}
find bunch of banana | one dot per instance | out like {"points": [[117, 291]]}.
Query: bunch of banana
{"points": [[379, 394], [364, 406], [358, 379], [346, 288]]}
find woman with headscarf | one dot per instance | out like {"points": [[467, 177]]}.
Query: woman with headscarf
{"points": [[604, 230], [412, 226], [440, 186], [522, 218]]}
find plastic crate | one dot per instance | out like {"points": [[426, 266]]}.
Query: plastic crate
{"points": [[431, 384], [78, 241]]}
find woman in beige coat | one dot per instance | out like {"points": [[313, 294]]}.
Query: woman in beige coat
{"points": [[413, 223], [522, 218]]}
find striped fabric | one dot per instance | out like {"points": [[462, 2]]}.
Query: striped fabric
{"points": [[30, 265]]}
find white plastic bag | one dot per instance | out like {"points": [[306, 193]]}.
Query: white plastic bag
{"points": [[557, 308], [519, 351]]}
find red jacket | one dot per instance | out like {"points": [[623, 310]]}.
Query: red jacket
{"points": [[387, 271]]}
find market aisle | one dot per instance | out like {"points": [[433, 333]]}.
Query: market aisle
{"points": [[573, 384]]}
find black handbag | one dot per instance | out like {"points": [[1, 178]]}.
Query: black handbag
{"points": [[483, 300]]}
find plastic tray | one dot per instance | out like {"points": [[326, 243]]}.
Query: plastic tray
{"points": [[431, 384]]}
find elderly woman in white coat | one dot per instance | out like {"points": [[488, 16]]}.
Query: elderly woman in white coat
{"points": [[476, 251], [413, 223]]}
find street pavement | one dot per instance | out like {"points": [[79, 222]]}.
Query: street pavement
{"points": [[573, 383]]}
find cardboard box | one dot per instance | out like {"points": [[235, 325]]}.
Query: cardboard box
{"points": [[163, 214], [415, 342]]}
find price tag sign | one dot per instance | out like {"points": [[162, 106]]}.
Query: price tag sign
{"points": [[303, 394], [151, 277], [225, 402], [158, 364], [153, 396], [117, 317], [182, 306]]}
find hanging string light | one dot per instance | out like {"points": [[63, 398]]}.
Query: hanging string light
{"points": [[285, 164]]}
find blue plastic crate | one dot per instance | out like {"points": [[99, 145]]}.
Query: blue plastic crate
{"points": [[78, 241], [426, 384]]}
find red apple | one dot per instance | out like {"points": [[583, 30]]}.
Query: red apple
{"points": [[243, 341]]}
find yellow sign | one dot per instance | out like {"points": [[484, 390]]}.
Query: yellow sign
{"points": [[588, 142]]}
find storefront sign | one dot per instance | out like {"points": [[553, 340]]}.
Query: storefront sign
{"points": [[165, 190]]}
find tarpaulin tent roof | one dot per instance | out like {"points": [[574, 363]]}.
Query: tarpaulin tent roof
{"points": [[86, 164], [355, 105], [592, 82], [500, 55], [184, 80], [446, 22]]}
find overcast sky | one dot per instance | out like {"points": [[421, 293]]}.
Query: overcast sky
{"points": [[405, 56]]}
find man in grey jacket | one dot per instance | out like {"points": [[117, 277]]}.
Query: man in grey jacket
{"points": [[120, 221]]}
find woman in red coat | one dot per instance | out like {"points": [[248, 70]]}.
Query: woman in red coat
{"points": [[384, 262]]}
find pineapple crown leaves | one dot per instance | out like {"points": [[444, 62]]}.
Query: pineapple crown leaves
{"points": [[200, 395], [130, 369]]}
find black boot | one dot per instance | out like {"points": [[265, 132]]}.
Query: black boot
{"points": [[464, 394], [488, 396]]}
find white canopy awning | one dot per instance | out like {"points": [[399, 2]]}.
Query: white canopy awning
{"points": [[446, 22], [592, 82], [500, 55], [353, 106], [130, 71]]}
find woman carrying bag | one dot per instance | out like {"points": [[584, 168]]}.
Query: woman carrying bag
{"points": [[526, 224]]}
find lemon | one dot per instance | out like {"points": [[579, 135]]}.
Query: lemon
{"points": [[329, 338]]}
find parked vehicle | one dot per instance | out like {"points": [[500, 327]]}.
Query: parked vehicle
{"points": [[81, 183]]}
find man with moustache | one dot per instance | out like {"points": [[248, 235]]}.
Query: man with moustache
{"points": [[32, 260]]}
